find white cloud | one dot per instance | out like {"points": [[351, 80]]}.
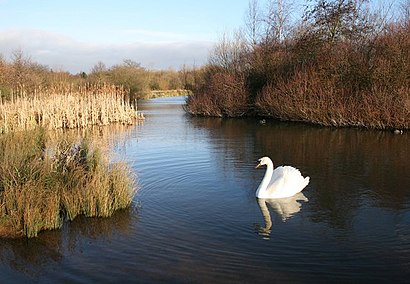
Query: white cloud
{"points": [[152, 34], [61, 52]]}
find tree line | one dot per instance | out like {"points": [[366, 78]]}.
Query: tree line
{"points": [[22, 73]]}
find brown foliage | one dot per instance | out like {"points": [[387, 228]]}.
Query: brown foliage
{"points": [[309, 98], [224, 95], [345, 90], [333, 83]]}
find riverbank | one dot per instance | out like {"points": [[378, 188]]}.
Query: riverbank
{"points": [[345, 90], [354, 75], [45, 182], [165, 93]]}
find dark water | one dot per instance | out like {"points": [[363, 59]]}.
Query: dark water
{"points": [[196, 218]]}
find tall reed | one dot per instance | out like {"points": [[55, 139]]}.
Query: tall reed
{"points": [[67, 106], [43, 183]]}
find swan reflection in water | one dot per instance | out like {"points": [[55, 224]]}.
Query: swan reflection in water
{"points": [[285, 208]]}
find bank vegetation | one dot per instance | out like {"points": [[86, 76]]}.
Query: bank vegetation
{"points": [[21, 72], [45, 182], [46, 176], [66, 106], [342, 64]]}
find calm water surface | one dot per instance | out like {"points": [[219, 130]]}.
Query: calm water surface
{"points": [[196, 218]]}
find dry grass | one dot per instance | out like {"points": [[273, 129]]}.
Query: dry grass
{"points": [[44, 183], [66, 106], [165, 93]]}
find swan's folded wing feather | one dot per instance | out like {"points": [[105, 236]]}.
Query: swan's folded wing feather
{"points": [[277, 181], [285, 182]]}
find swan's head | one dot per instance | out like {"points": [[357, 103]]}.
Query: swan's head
{"points": [[263, 161]]}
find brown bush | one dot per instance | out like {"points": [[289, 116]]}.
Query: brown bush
{"points": [[339, 68], [309, 97], [224, 95]]}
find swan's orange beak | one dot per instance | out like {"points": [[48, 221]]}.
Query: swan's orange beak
{"points": [[258, 165]]}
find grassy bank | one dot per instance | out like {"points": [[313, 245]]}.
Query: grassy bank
{"points": [[165, 93], [338, 67], [66, 106], [44, 183]]}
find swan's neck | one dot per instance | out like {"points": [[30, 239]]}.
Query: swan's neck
{"points": [[265, 181]]}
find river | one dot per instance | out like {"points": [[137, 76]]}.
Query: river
{"points": [[195, 218]]}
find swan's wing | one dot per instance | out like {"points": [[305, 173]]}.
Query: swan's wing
{"points": [[286, 181], [276, 183]]}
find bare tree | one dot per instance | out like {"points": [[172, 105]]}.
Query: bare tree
{"points": [[98, 68], [406, 10], [253, 23], [132, 64], [230, 53], [277, 20], [20, 68], [98, 72], [334, 20], [3, 70], [272, 24]]}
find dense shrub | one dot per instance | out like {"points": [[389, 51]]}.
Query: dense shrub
{"points": [[337, 68], [223, 95]]}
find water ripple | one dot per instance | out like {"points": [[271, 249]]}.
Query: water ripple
{"points": [[198, 219]]}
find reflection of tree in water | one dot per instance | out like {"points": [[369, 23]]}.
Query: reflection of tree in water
{"points": [[31, 256], [346, 166], [233, 141]]}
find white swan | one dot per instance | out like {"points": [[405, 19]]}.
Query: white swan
{"points": [[282, 182]]}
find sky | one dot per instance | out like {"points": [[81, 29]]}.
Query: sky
{"points": [[74, 35]]}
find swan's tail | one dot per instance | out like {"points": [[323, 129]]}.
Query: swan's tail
{"points": [[306, 181]]}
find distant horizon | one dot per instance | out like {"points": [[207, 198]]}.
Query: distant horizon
{"points": [[74, 36], [150, 54]]}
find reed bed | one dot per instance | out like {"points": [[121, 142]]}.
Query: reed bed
{"points": [[67, 106], [44, 183]]}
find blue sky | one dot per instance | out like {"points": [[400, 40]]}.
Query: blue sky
{"points": [[74, 35]]}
